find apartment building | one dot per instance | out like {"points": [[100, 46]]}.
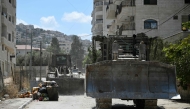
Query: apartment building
{"points": [[8, 36], [161, 18]]}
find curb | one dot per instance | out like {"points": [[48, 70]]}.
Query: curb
{"points": [[26, 103]]}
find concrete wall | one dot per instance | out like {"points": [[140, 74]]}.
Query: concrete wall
{"points": [[35, 70]]}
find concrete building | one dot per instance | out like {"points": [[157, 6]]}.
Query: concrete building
{"points": [[8, 36], [22, 50], [65, 46], [161, 18]]}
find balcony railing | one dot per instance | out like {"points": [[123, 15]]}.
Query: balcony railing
{"points": [[128, 26], [98, 3], [99, 20], [128, 3], [8, 44]]}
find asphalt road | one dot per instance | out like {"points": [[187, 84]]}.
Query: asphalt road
{"points": [[84, 102]]}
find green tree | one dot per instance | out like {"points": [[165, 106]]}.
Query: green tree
{"points": [[89, 57], [179, 55], [35, 59], [186, 25], [156, 50], [20, 60], [54, 48], [77, 51]]}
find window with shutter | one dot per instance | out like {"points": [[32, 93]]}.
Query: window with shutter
{"points": [[150, 2]]}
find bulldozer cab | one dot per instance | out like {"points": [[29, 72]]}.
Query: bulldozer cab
{"points": [[125, 47], [61, 60]]}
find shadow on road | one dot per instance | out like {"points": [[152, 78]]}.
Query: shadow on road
{"points": [[121, 106]]}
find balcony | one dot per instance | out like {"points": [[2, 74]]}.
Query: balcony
{"points": [[98, 28], [111, 9], [117, 2], [4, 20], [99, 21], [98, 4], [112, 28], [125, 18], [125, 28], [124, 10], [3, 3], [8, 44]]}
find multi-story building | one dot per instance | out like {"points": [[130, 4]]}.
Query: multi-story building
{"points": [[8, 36], [161, 18], [65, 46]]}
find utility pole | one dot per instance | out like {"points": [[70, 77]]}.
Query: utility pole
{"points": [[40, 60], [30, 56]]}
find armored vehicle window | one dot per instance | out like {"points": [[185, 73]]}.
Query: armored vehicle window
{"points": [[61, 59]]}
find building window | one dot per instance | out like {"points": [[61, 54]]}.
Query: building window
{"points": [[175, 17], [9, 38], [3, 48], [150, 24], [187, 1], [150, 2], [10, 18]]}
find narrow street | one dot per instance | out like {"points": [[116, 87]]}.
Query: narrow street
{"points": [[84, 102]]}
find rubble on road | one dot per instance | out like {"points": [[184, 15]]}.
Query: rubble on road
{"points": [[25, 95], [46, 91]]}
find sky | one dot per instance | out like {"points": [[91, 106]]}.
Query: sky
{"points": [[71, 17]]}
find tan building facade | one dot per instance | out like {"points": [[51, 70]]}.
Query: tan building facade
{"points": [[161, 18], [8, 37]]}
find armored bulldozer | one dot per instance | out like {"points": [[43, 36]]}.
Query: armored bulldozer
{"points": [[61, 72], [125, 72], [60, 66]]}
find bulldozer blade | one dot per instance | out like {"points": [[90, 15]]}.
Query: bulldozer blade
{"points": [[70, 86], [131, 79]]}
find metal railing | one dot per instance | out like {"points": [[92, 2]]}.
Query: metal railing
{"points": [[99, 20], [98, 3]]}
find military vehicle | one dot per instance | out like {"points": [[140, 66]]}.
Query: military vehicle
{"points": [[60, 71], [125, 72], [60, 66]]}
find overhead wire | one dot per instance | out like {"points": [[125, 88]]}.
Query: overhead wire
{"points": [[75, 9], [185, 7]]}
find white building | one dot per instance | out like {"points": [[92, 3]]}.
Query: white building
{"points": [[161, 18], [65, 46], [8, 36], [22, 50]]}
